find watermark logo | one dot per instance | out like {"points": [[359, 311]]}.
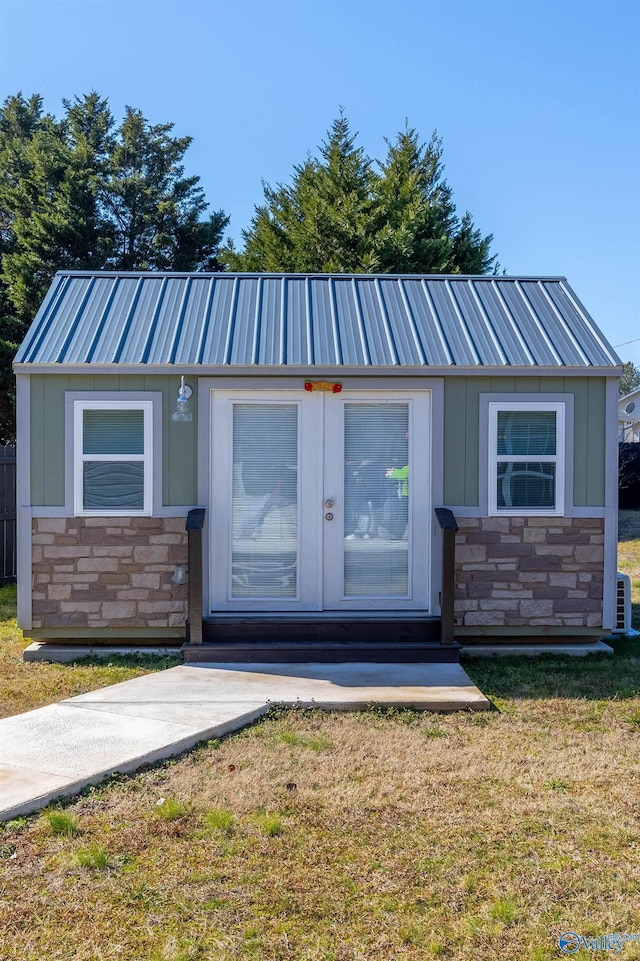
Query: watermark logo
{"points": [[570, 942]]}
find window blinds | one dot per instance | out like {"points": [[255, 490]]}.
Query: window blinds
{"points": [[113, 470], [265, 500], [521, 481], [376, 500], [526, 432], [113, 432]]}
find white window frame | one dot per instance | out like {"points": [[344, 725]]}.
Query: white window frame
{"points": [[80, 458], [559, 458]]}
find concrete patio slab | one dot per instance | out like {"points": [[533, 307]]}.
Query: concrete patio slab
{"points": [[351, 686], [80, 743], [59, 749], [192, 689], [18, 784]]}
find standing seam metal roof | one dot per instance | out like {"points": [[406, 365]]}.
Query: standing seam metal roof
{"points": [[322, 320]]}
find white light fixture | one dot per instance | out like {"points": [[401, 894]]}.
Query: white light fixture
{"points": [[179, 575], [182, 413]]}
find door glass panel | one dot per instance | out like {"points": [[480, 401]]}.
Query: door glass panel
{"points": [[376, 500], [265, 501]]}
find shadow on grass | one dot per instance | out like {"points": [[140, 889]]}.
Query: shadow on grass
{"points": [[150, 662], [594, 677]]}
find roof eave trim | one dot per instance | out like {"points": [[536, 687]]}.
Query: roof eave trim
{"points": [[302, 274], [283, 370]]}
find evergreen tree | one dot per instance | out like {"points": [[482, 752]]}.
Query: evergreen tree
{"points": [[76, 193], [630, 378], [339, 214], [318, 223], [56, 220], [414, 210], [20, 119], [152, 211]]}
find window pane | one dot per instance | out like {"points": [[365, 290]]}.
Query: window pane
{"points": [[113, 485], [376, 500], [113, 432], [526, 484], [265, 501], [526, 432]]}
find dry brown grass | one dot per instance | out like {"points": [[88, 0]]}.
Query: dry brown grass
{"points": [[400, 835]]}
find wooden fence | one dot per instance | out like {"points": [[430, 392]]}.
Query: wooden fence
{"points": [[7, 514]]}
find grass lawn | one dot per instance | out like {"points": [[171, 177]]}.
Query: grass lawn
{"points": [[358, 837], [25, 686]]}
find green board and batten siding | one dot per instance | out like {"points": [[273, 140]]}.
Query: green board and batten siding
{"points": [[461, 445], [179, 454], [179, 460]]}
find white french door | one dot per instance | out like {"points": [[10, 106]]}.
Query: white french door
{"points": [[320, 501]]}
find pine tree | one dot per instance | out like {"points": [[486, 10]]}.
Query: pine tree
{"points": [[54, 206], [415, 214], [318, 223], [339, 214], [152, 210], [76, 193], [630, 378]]}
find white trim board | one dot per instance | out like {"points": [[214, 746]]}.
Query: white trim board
{"points": [[321, 478], [171, 511], [475, 511], [23, 493], [102, 396], [525, 399], [196, 370], [610, 588]]}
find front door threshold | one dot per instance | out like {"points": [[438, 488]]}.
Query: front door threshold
{"points": [[283, 617]]}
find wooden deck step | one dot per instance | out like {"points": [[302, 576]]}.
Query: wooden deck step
{"points": [[320, 653], [273, 638], [271, 629]]}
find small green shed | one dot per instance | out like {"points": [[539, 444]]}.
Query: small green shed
{"points": [[318, 422]]}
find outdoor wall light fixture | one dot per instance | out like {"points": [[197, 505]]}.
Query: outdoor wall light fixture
{"points": [[179, 575], [182, 413]]}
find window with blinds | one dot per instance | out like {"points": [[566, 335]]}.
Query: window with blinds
{"points": [[265, 501], [526, 458], [113, 457], [376, 500]]}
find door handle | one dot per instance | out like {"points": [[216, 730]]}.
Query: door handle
{"points": [[328, 503]]}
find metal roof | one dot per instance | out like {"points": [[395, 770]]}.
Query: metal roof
{"points": [[321, 320]]}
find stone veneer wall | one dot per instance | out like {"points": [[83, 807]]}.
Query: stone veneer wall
{"points": [[108, 572], [529, 572]]}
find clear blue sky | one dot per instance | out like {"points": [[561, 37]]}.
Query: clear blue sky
{"points": [[537, 101]]}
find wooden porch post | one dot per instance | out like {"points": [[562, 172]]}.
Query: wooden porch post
{"points": [[194, 525], [449, 527]]}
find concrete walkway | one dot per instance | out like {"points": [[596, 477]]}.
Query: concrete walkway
{"points": [[59, 749]]}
